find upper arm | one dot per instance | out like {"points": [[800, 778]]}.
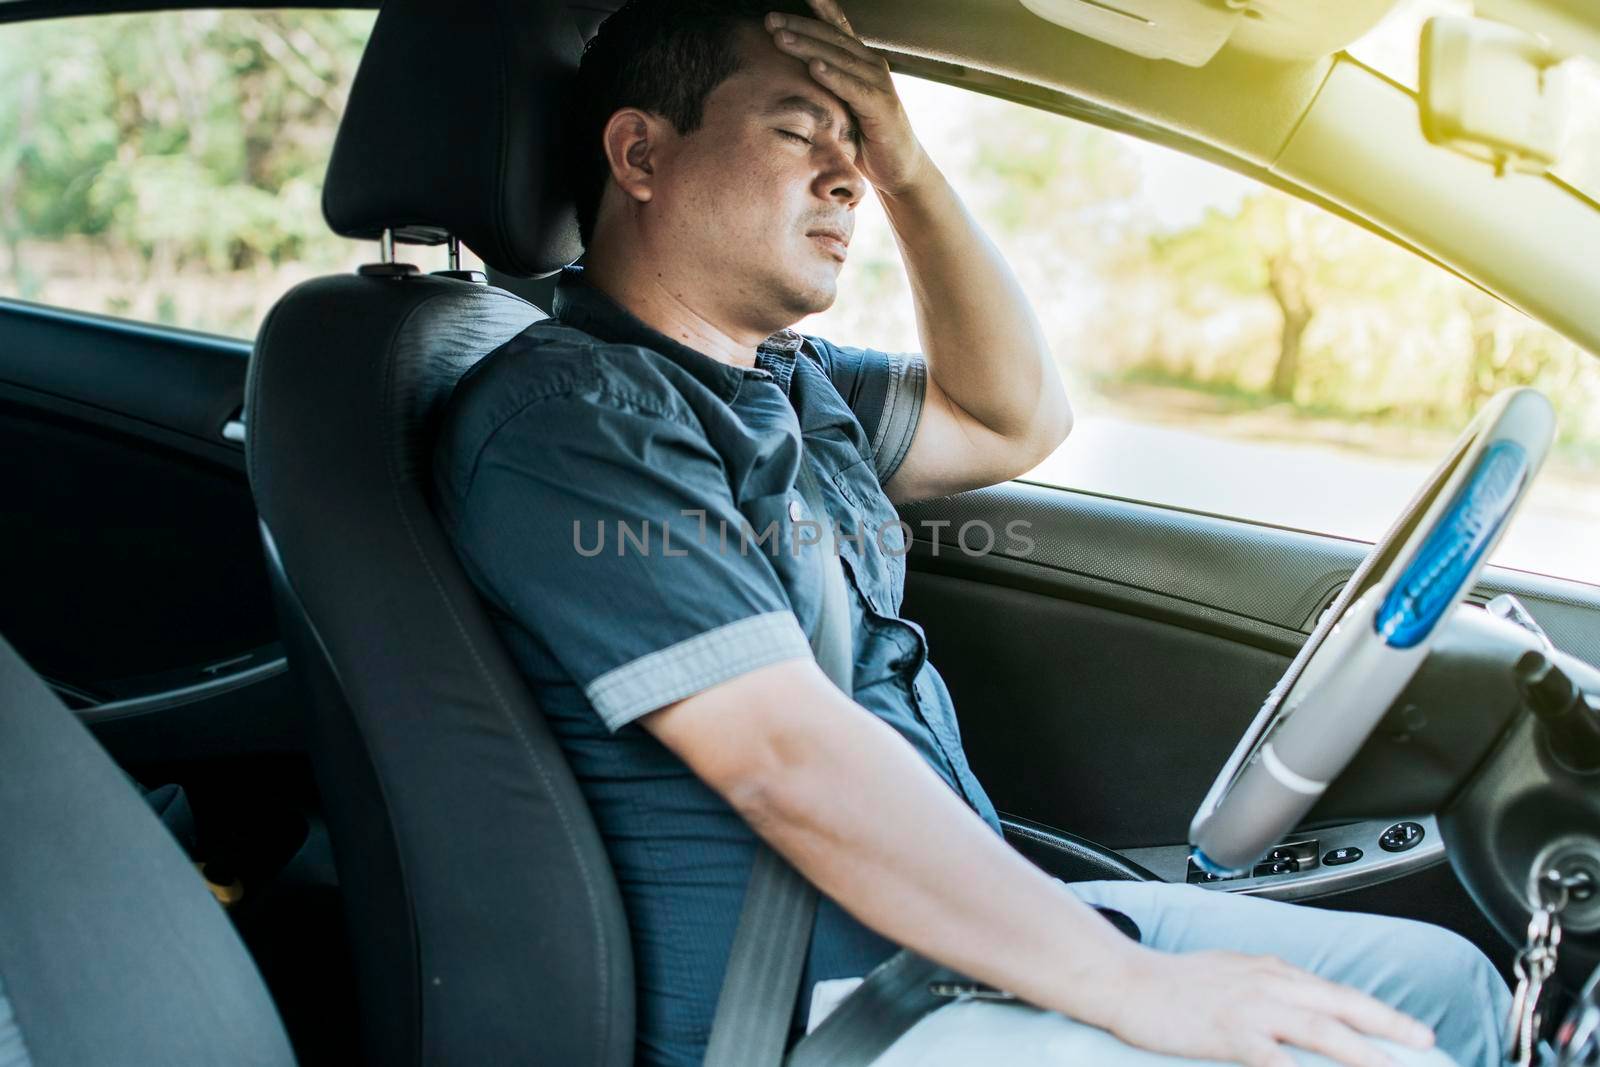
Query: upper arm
{"points": [[537, 519], [923, 444], [952, 452]]}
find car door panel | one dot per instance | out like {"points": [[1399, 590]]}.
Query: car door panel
{"points": [[134, 567], [1067, 719], [183, 386]]}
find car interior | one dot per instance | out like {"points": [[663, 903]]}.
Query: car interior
{"points": [[224, 572]]}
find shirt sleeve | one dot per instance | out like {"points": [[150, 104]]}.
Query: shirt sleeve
{"points": [[885, 390], [596, 525]]}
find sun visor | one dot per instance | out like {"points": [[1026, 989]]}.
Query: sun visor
{"points": [[1185, 31], [1191, 32]]}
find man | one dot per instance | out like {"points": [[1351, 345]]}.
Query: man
{"points": [[621, 483]]}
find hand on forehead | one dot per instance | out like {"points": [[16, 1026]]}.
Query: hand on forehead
{"points": [[889, 156]]}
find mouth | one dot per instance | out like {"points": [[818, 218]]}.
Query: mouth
{"points": [[834, 242]]}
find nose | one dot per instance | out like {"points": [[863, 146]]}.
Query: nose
{"points": [[839, 179]]}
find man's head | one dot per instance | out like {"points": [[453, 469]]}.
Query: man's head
{"points": [[715, 159]]}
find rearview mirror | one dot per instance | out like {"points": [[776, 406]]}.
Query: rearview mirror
{"points": [[1493, 92]]}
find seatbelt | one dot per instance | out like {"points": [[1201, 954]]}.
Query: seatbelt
{"points": [[756, 1005], [889, 1001]]}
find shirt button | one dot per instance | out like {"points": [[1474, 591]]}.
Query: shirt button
{"points": [[795, 510]]}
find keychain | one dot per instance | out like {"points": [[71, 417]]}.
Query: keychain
{"points": [[1536, 962]]}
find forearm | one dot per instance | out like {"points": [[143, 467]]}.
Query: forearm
{"points": [[984, 346], [851, 804]]}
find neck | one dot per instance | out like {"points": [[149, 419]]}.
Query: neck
{"points": [[636, 282]]}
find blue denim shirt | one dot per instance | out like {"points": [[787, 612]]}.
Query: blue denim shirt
{"points": [[627, 507]]}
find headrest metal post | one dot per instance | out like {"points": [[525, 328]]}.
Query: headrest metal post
{"points": [[455, 253], [387, 267]]}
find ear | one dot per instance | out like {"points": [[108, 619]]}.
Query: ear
{"points": [[633, 141]]}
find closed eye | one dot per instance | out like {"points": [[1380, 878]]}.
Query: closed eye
{"points": [[795, 136]]}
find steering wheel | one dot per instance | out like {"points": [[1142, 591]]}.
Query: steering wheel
{"points": [[1371, 640]]}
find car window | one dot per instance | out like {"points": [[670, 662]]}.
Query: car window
{"points": [[1229, 348], [168, 167]]}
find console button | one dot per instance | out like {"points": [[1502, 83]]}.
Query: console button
{"points": [[1401, 837], [1276, 867], [1341, 855]]}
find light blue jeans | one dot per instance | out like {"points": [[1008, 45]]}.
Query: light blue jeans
{"points": [[1423, 970]]}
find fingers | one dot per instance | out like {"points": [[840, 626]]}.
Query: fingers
{"points": [[1265, 1053], [1322, 1033], [871, 72], [1357, 1009], [1376, 1018], [830, 12], [832, 35], [858, 76], [887, 150], [1258, 1010], [867, 103]]}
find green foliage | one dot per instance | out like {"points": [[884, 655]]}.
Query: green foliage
{"points": [[194, 137]]}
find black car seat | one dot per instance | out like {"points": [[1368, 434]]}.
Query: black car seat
{"points": [[112, 949], [484, 920]]}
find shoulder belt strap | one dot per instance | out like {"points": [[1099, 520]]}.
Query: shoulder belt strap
{"points": [[754, 1009]]}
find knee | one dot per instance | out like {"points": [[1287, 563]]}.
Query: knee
{"points": [[1454, 988], [1444, 951], [1445, 963]]}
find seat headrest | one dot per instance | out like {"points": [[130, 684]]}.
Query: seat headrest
{"points": [[456, 125]]}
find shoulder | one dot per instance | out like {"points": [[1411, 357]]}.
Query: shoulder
{"points": [[845, 362], [818, 350], [547, 383], [552, 362], [885, 391]]}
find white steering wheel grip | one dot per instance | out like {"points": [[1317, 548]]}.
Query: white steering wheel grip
{"points": [[1374, 638]]}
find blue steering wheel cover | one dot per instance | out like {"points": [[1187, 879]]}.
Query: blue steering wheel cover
{"points": [[1432, 581]]}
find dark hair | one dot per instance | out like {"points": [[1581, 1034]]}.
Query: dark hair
{"points": [[663, 56]]}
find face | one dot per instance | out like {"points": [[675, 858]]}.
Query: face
{"points": [[755, 209]]}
